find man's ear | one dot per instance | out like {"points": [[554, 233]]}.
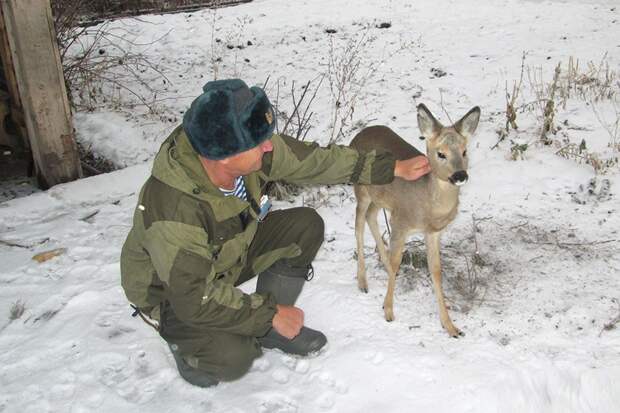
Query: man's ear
{"points": [[467, 125], [428, 125]]}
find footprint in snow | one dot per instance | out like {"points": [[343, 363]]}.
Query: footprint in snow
{"points": [[302, 366], [328, 386], [81, 272], [133, 379], [328, 380], [289, 361], [261, 364], [62, 391], [281, 376], [326, 400], [82, 253], [295, 364], [277, 403], [375, 358], [119, 331]]}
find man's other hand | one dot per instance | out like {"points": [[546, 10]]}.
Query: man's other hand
{"points": [[412, 168], [288, 320]]}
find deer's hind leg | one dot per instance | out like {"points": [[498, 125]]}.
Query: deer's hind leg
{"points": [[390, 260], [373, 224], [363, 202]]}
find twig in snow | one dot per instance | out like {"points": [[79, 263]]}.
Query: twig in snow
{"points": [[443, 107], [299, 118], [17, 310], [611, 324], [14, 244], [521, 225], [89, 216], [574, 244], [91, 170]]}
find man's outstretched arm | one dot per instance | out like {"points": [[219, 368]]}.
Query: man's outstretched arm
{"points": [[304, 163]]}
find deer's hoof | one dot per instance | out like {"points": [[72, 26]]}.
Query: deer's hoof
{"points": [[363, 286], [455, 332], [389, 315]]}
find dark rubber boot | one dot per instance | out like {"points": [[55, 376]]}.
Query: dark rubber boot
{"points": [[285, 283], [308, 341], [190, 374]]}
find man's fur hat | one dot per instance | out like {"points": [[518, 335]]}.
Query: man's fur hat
{"points": [[228, 118]]}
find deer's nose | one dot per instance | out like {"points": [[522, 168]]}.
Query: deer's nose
{"points": [[459, 178]]}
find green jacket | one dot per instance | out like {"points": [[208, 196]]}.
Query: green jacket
{"points": [[188, 243]]}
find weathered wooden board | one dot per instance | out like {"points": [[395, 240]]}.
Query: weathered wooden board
{"points": [[38, 71]]}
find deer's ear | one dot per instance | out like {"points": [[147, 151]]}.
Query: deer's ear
{"points": [[429, 126], [468, 123]]}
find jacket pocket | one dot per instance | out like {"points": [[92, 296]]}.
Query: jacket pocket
{"points": [[233, 253]]}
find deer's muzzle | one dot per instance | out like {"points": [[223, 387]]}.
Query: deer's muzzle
{"points": [[459, 178]]}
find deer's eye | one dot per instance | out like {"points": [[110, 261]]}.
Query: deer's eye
{"points": [[464, 154], [441, 155]]}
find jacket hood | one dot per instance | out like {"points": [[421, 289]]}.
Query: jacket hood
{"points": [[177, 164]]}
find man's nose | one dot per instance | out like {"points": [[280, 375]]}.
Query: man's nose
{"points": [[267, 146]]}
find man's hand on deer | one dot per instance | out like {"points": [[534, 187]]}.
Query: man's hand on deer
{"points": [[412, 168]]}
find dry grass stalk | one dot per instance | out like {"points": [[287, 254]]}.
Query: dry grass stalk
{"points": [[347, 76], [579, 154], [350, 67], [613, 322], [549, 110], [99, 66], [17, 310], [298, 123], [511, 99], [612, 126], [595, 82]]}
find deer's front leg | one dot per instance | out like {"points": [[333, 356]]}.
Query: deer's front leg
{"points": [[392, 264], [434, 266]]}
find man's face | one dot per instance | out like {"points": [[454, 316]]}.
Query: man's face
{"points": [[249, 161]]}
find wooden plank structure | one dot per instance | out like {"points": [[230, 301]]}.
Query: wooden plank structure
{"points": [[10, 106], [34, 75], [121, 9], [112, 9]]}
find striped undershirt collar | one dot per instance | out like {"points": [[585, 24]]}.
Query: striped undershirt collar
{"points": [[239, 191]]}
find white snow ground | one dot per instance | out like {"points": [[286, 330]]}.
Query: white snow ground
{"points": [[534, 319]]}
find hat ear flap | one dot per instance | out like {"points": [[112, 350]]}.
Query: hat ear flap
{"points": [[258, 118]]}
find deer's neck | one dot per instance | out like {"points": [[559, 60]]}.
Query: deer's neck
{"points": [[444, 196]]}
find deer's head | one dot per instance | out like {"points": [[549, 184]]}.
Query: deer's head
{"points": [[446, 147]]}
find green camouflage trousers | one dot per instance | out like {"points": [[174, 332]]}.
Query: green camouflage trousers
{"points": [[228, 356]]}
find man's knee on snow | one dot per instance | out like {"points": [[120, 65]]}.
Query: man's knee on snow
{"points": [[237, 361]]}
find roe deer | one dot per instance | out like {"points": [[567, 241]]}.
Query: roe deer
{"points": [[426, 205]]}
